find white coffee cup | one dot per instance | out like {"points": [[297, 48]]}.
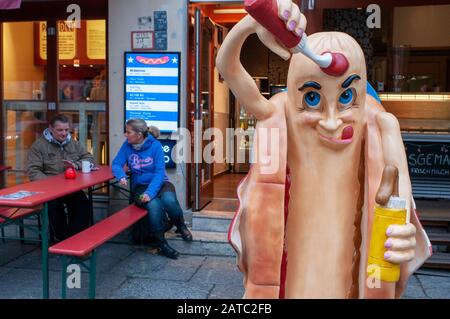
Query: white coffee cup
{"points": [[85, 166]]}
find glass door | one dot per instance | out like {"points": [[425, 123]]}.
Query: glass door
{"points": [[24, 88], [50, 67], [82, 83], [204, 115]]}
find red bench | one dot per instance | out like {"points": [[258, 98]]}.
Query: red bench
{"points": [[10, 215], [81, 247], [15, 213]]}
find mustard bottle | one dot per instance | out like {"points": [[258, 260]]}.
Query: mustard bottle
{"points": [[394, 212]]}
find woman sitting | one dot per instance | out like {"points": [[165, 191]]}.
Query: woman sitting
{"points": [[150, 187]]}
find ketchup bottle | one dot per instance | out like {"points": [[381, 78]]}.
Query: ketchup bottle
{"points": [[70, 173]]}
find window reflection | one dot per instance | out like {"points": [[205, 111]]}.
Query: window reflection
{"points": [[409, 53], [82, 88], [24, 93]]}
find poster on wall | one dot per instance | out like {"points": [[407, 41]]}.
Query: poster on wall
{"points": [[152, 88]]}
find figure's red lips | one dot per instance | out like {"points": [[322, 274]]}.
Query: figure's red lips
{"points": [[346, 137]]}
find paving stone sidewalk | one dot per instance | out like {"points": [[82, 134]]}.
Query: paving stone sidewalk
{"points": [[126, 271]]}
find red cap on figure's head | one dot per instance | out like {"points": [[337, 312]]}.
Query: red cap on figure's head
{"points": [[339, 64]]}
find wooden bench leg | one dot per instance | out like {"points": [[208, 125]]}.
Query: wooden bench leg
{"points": [[39, 227], [81, 261], [44, 257], [91, 206], [21, 232], [92, 274], [64, 276]]}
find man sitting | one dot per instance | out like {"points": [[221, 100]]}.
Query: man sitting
{"points": [[50, 155]]}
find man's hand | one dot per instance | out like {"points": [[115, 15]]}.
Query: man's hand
{"points": [[123, 181], [68, 164], [400, 244]]}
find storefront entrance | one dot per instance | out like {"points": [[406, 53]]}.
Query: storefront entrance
{"points": [[208, 98], [51, 65]]}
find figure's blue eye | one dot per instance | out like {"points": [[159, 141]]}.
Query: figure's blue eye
{"points": [[347, 97], [312, 99]]}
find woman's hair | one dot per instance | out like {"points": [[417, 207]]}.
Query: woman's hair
{"points": [[139, 126], [154, 131]]}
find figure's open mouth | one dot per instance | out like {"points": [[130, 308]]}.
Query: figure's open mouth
{"points": [[346, 137]]}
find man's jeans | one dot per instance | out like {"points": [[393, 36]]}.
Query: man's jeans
{"points": [[77, 218]]}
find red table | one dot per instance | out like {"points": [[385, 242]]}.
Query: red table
{"points": [[46, 190], [4, 168]]}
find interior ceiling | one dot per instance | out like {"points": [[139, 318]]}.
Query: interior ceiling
{"points": [[208, 9], [213, 11]]}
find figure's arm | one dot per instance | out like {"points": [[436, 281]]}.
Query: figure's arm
{"points": [[228, 58], [240, 82], [401, 240], [394, 154]]}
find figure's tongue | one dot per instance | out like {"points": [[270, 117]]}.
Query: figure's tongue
{"points": [[347, 133]]}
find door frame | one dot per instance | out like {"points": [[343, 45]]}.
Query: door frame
{"points": [[199, 195], [203, 191]]}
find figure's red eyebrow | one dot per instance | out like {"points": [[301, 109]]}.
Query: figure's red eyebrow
{"points": [[310, 84]]}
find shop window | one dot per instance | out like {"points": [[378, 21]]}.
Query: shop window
{"points": [[81, 88], [24, 106], [408, 60], [409, 53], [82, 83]]}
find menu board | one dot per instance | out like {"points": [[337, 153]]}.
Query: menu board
{"points": [[152, 88], [86, 44], [67, 44], [96, 39]]}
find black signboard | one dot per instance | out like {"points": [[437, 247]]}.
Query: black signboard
{"points": [[167, 146], [428, 159], [160, 40], [160, 20]]}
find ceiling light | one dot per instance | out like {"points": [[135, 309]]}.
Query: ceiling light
{"points": [[230, 11]]}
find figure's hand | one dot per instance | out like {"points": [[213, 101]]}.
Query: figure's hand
{"points": [[123, 181], [290, 13], [400, 244], [144, 198], [295, 22]]}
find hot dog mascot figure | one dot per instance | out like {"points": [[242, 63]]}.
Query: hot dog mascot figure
{"points": [[304, 225]]}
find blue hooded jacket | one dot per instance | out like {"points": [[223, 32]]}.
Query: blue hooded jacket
{"points": [[146, 165]]}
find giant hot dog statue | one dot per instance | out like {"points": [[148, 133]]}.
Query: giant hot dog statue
{"points": [[304, 224]]}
